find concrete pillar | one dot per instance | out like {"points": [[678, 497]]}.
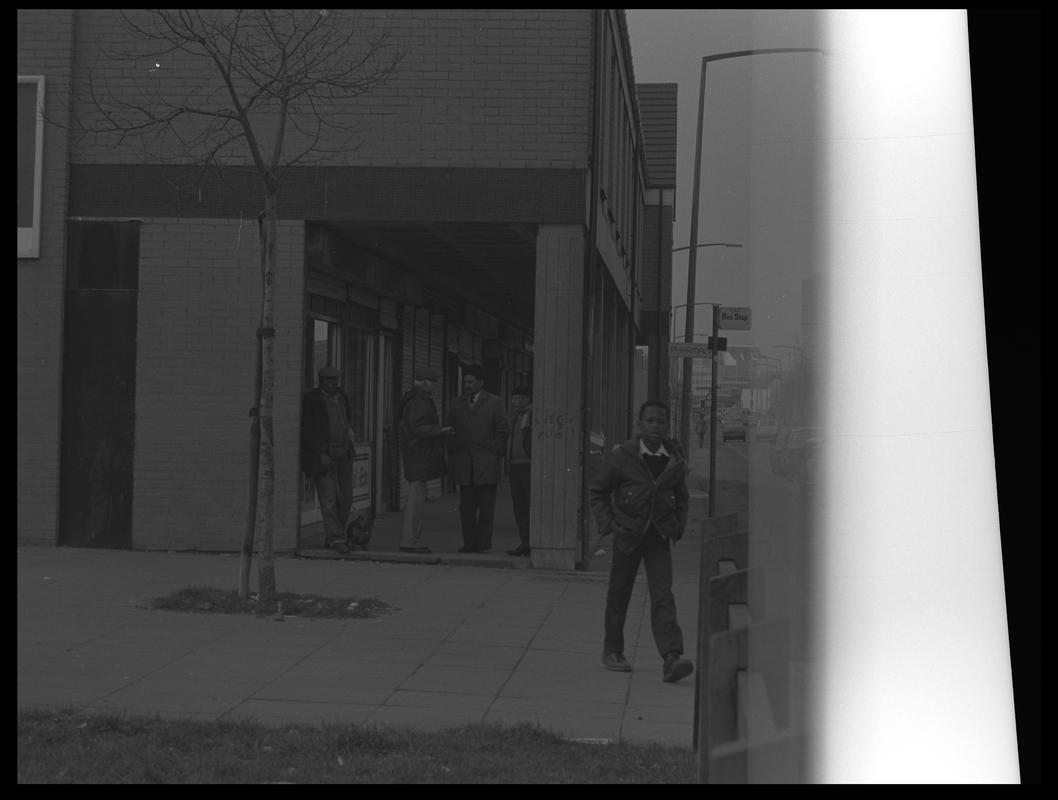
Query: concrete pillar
{"points": [[557, 372]]}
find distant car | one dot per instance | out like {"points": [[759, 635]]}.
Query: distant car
{"points": [[733, 430], [767, 429], [788, 450]]}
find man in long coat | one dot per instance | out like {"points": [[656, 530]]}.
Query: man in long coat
{"points": [[475, 449], [327, 453], [423, 451]]}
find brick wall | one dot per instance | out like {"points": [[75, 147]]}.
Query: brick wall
{"points": [[198, 311], [475, 88], [463, 72], [656, 275], [44, 42]]}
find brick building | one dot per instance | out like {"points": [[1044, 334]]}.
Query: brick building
{"points": [[508, 203]]}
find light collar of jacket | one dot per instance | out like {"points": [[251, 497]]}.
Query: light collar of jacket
{"points": [[661, 451]]}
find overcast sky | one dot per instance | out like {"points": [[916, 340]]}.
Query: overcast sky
{"points": [[761, 117]]}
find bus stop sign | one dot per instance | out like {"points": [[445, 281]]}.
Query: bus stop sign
{"points": [[735, 318]]}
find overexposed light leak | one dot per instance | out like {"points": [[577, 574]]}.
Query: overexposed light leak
{"points": [[914, 682]]}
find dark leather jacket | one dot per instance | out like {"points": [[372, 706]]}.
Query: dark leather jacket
{"points": [[421, 440], [628, 502], [315, 430]]}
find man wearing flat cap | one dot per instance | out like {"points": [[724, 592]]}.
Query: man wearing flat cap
{"points": [[423, 452], [327, 453]]}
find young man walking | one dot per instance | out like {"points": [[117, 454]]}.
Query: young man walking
{"points": [[639, 496]]}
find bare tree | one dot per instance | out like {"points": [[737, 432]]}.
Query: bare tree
{"points": [[283, 79]]}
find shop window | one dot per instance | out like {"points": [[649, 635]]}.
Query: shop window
{"points": [[359, 375], [325, 347]]}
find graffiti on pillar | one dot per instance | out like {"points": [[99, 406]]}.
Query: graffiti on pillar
{"points": [[553, 425]]}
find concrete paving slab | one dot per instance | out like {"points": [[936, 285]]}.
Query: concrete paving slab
{"points": [[296, 688], [463, 654], [60, 689], [166, 694], [465, 643], [472, 681]]}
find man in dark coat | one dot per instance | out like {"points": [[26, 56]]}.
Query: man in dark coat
{"points": [[422, 448], [639, 495], [475, 450], [327, 453]]}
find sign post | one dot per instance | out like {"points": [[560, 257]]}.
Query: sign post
{"points": [[732, 318], [712, 417], [729, 318]]}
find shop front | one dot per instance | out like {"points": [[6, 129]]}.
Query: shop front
{"points": [[378, 322]]}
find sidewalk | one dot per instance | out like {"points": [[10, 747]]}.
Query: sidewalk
{"points": [[469, 642]]}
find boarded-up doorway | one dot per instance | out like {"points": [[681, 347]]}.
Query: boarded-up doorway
{"points": [[98, 384]]}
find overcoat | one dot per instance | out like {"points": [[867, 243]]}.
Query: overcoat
{"points": [[316, 429], [421, 440], [627, 500], [479, 441]]}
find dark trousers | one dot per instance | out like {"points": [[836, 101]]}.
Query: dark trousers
{"points": [[477, 507], [656, 556], [334, 491], [520, 500]]}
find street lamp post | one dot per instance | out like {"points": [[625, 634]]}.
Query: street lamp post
{"points": [[688, 330], [701, 717], [714, 353], [696, 196]]}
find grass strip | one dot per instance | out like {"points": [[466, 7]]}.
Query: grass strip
{"points": [[66, 746]]}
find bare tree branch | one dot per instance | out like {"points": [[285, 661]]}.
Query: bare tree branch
{"points": [[278, 75]]}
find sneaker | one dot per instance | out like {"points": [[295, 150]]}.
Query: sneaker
{"points": [[615, 662], [676, 667], [415, 550], [520, 550], [339, 547]]}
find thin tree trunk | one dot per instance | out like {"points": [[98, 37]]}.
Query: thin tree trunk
{"points": [[246, 558], [266, 577]]}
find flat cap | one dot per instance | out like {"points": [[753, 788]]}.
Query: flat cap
{"points": [[327, 371], [522, 389]]}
